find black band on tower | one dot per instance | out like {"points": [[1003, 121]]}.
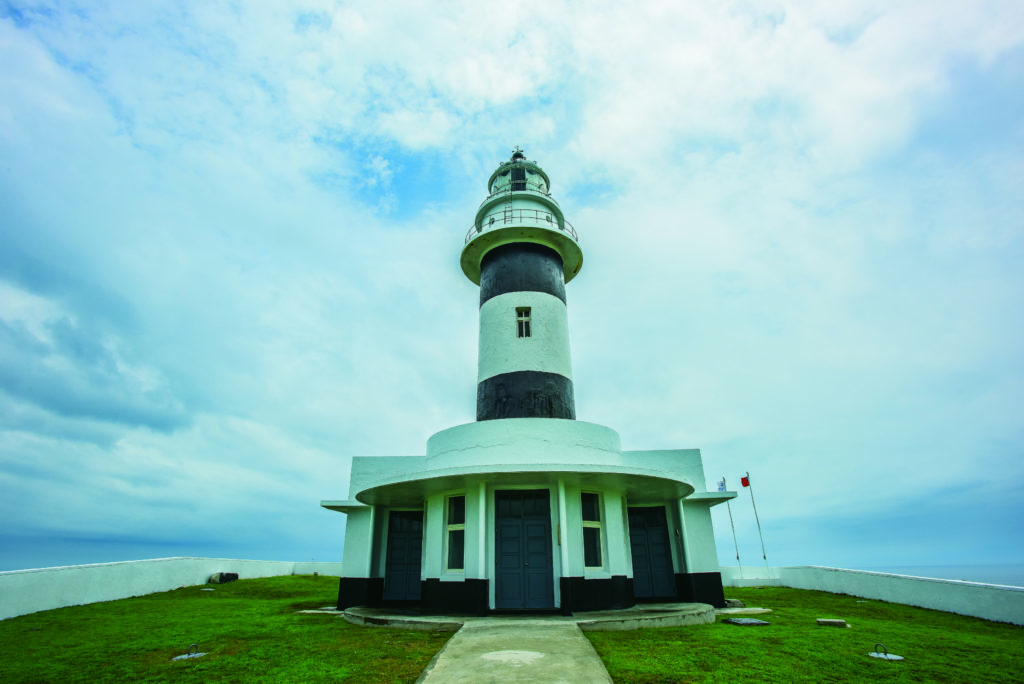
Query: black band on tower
{"points": [[521, 267], [525, 394]]}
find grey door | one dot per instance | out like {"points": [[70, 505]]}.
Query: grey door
{"points": [[522, 547], [405, 548], [653, 575]]}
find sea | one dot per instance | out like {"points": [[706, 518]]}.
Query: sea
{"points": [[1011, 575]]}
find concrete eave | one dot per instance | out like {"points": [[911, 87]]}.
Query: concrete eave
{"points": [[711, 498], [341, 506]]}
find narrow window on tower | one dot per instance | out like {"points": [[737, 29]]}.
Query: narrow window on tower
{"points": [[591, 509], [456, 524], [523, 322], [518, 179]]}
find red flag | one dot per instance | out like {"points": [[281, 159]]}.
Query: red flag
{"points": [[745, 481]]}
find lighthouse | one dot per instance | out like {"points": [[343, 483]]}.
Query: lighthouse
{"points": [[527, 508], [521, 252]]}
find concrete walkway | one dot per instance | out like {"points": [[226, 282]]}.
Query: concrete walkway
{"points": [[495, 650], [637, 617], [514, 648]]}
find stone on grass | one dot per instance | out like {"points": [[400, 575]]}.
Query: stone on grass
{"points": [[746, 622], [734, 603], [223, 577], [192, 652], [882, 652], [832, 622]]}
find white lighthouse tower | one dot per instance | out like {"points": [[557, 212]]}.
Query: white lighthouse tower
{"points": [[527, 508], [522, 252]]}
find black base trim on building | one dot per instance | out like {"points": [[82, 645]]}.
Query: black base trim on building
{"points": [[521, 267], [406, 605], [468, 597], [701, 587], [525, 394], [360, 591], [581, 594], [658, 599]]}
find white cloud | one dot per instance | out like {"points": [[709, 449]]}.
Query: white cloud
{"points": [[254, 214]]}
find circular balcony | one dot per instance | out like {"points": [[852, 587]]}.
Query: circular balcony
{"points": [[506, 218], [521, 225]]}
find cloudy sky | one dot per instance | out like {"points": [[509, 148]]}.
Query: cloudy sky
{"points": [[229, 240]]}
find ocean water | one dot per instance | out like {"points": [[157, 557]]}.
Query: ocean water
{"points": [[1010, 575]]}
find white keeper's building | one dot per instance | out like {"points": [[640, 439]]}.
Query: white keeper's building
{"points": [[527, 508]]}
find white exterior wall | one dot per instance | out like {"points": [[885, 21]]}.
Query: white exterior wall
{"points": [[524, 202], [566, 532], [615, 533], [476, 531], [560, 540], [357, 556], [520, 209], [378, 543], [615, 557], [478, 545], [501, 351], [30, 591], [564, 457], [519, 201], [699, 538], [435, 544], [435, 536], [523, 441], [676, 540], [572, 533], [988, 601], [621, 534]]}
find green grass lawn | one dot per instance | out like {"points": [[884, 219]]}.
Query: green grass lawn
{"points": [[252, 632], [250, 629], [938, 647]]}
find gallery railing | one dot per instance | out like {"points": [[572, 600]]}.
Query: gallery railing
{"points": [[521, 217]]}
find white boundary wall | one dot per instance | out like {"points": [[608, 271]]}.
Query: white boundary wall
{"points": [[988, 601], [29, 591]]}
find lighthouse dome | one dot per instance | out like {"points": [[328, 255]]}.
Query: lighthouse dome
{"points": [[518, 174], [519, 208]]}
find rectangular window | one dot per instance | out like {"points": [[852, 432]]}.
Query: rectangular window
{"points": [[518, 179], [523, 321], [590, 505], [456, 524]]}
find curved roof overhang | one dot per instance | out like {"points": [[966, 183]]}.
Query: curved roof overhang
{"points": [[639, 486]]}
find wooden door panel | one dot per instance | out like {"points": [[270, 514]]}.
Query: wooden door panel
{"points": [[651, 551], [403, 556], [523, 547]]}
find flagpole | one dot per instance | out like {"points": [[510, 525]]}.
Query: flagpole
{"points": [[734, 542], [759, 534]]}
